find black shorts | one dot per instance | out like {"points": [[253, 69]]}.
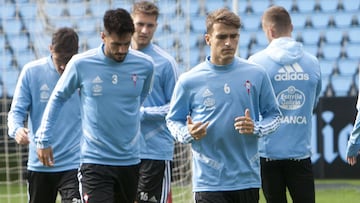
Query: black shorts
{"points": [[250, 195], [108, 184], [44, 186], [154, 181], [295, 175]]}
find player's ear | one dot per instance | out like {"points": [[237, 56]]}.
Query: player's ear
{"points": [[207, 39]]}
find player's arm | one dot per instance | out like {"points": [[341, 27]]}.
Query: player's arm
{"points": [[169, 76], [19, 110], [269, 109], [353, 145], [65, 87]]}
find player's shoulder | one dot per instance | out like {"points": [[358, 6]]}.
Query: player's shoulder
{"points": [[85, 54], [249, 64], [139, 54], [162, 52], [35, 64]]}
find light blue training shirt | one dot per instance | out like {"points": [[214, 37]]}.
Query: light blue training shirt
{"points": [[111, 94], [35, 84], [224, 160]]}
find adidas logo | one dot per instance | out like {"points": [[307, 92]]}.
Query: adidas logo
{"points": [[44, 87], [97, 80], [291, 72], [207, 93]]}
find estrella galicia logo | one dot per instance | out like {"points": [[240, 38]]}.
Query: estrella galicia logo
{"points": [[291, 98]]}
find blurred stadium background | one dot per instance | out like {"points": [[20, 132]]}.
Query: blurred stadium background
{"points": [[328, 28]]}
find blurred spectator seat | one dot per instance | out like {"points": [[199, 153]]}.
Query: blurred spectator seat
{"points": [[251, 22], [13, 26], [310, 36], [244, 39], [198, 24], [25, 58], [305, 6], [328, 6], [77, 9], [354, 35], [348, 66], [93, 41], [320, 20], [341, 84], [351, 5], [54, 10], [259, 6], [19, 43], [343, 19], [28, 10], [2, 44], [8, 10], [353, 51], [327, 67], [311, 48], [98, 8], [298, 20], [212, 5], [331, 51], [261, 38], [10, 77], [325, 86], [89, 26], [284, 3], [334, 36]]}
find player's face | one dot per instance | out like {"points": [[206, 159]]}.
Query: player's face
{"points": [[223, 41], [116, 47], [145, 26]]}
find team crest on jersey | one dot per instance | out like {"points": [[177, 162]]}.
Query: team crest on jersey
{"points": [[96, 86], [134, 78], [44, 93], [248, 86]]}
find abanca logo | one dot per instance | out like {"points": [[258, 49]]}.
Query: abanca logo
{"points": [[291, 72]]}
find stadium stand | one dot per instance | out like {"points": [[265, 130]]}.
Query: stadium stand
{"points": [[327, 24], [328, 6]]}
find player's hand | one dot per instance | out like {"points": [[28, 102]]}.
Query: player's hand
{"points": [[46, 156], [196, 130], [351, 160], [22, 137], [244, 124]]}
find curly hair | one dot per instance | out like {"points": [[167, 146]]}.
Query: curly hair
{"points": [[118, 21]]}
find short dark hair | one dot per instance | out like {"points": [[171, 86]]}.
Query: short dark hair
{"points": [[224, 16], [145, 7], [65, 41], [278, 17], [118, 21]]}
